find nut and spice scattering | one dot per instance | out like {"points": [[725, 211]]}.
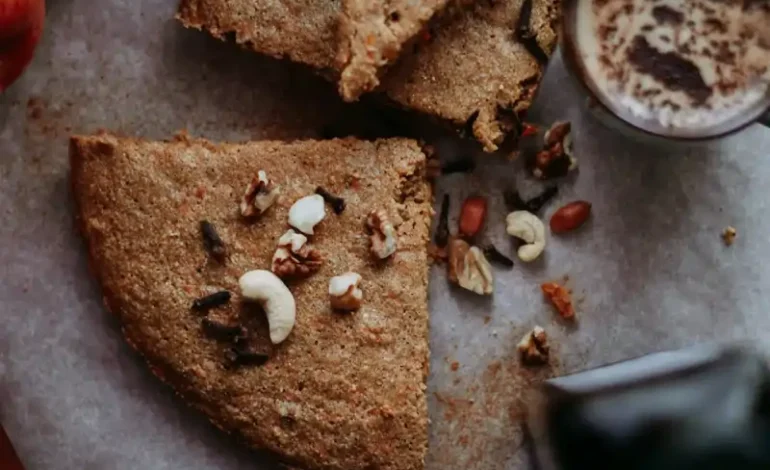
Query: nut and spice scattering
{"points": [[533, 347], [259, 195], [472, 216], [337, 203], [345, 293], [556, 159], [570, 217], [560, 298], [382, 238], [469, 269], [211, 301], [295, 257], [222, 331], [211, 240], [442, 227], [241, 356], [494, 256], [729, 234]]}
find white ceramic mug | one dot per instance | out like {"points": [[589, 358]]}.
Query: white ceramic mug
{"points": [[622, 118]]}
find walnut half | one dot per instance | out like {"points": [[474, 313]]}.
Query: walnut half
{"points": [[468, 267], [383, 234], [533, 347], [295, 257], [260, 194]]}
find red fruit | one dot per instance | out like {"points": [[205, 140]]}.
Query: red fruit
{"points": [[21, 24], [472, 216], [570, 217]]}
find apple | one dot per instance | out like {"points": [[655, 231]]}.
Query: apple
{"points": [[21, 24]]}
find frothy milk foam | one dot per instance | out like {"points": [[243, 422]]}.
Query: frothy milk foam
{"points": [[686, 64]]}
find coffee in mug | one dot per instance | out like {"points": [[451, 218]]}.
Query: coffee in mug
{"points": [[686, 68]]}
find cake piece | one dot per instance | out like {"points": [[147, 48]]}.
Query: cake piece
{"points": [[372, 33], [472, 70], [343, 390]]}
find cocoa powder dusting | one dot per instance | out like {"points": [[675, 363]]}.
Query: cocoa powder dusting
{"points": [[670, 69]]}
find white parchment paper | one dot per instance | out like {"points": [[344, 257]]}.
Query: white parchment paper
{"points": [[649, 269]]}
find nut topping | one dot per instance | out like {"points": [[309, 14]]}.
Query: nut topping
{"points": [[570, 217], [260, 194], [295, 257], [306, 213], [533, 347], [526, 226], [383, 234], [468, 268], [345, 293], [472, 216], [556, 159]]}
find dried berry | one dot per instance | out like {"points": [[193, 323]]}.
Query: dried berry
{"points": [[528, 129], [472, 216], [570, 217], [211, 240], [222, 331], [337, 203], [560, 298], [442, 228], [494, 255], [210, 301]]}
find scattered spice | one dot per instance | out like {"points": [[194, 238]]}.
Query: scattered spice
{"points": [[210, 301], [560, 298], [494, 255], [222, 331], [514, 202], [212, 241], [441, 238], [242, 356], [526, 36], [337, 203], [729, 234]]}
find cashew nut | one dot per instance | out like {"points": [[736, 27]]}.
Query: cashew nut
{"points": [[526, 226], [306, 213], [276, 299]]}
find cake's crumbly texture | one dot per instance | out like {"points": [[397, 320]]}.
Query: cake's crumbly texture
{"points": [[372, 33], [344, 391], [467, 63]]}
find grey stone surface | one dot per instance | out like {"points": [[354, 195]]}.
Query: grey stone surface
{"points": [[650, 268]]}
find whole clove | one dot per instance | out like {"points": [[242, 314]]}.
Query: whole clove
{"points": [[238, 356], [537, 202], [441, 238], [494, 255], [211, 240], [467, 130], [210, 301], [526, 36], [514, 202], [222, 331], [337, 203]]}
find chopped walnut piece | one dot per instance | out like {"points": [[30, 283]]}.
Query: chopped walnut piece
{"points": [[260, 194], [345, 293], [295, 257], [556, 159], [468, 267], [729, 234], [560, 298], [533, 347], [383, 234]]}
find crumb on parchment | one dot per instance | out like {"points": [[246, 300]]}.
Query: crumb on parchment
{"points": [[729, 234]]}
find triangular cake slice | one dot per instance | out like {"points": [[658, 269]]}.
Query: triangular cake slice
{"points": [[344, 390], [372, 34], [472, 70]]}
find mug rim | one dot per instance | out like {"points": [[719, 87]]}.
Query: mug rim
{"points": [[577, 70]]}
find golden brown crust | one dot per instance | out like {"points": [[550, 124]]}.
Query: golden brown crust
{"points": [[344, 391], [372, 33], [471, 62]]}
